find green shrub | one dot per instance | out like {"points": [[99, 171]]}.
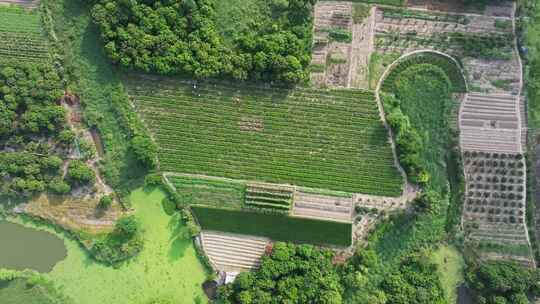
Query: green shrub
{"points": [[105, 201], [79, 173]]}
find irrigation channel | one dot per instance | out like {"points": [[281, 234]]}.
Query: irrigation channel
{"points": [[24, 247]]}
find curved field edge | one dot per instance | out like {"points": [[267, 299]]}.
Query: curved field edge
{"points": [[406, 233]]}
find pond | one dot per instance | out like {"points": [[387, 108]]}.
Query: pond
{"points": [[23, 247]]}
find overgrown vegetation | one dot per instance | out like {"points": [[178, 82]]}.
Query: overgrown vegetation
{"points": [[420, 104], [182, 37], [128, 150], [29, 287], [291, 274], [502, 282], [124, 242]]}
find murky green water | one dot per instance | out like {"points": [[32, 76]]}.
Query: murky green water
{"points": [[22, 247]]}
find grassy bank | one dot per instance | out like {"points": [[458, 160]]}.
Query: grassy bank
{"points": [[450, 266], [276, 227], [167, 268]]}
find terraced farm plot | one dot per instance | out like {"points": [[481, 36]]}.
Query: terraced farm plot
{"points": [[21, 36], [328, 139]]}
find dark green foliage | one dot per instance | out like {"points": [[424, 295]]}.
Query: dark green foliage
{"points": [[105, 201], [59, 186], [26, 173], [145, 150], [275, 226], [339, 35], [291, 274], [451, 69], [415, 282], [29, 287], [428, 110], [79, 173], [181, 37], [168, 206], [153, 180], [124, 242], [502, 282]]}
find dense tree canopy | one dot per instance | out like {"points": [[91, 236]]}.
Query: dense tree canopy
{"points": [[171, 37], [29, 118], [291, 274], [503, 282]]}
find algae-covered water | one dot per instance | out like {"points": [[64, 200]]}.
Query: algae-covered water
{"points": [[166, 269]]}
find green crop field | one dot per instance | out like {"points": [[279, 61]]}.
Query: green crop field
{"points": [[210, 192], [274, 226], [327, 139], [21, 35]]}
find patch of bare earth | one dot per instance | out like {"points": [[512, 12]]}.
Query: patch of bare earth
{"points": [[78, 211], [24, 3]]}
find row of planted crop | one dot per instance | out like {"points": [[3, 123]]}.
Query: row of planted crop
{"points": [[174, 101], [328, 152], [365, 105], [354, 131], [385, 169], [232, 145], [317, 178], [277, 131], [360, 185], [240, 87], [293, 144], [227, 92], [218, 114], [217, 111], [243, 165]]}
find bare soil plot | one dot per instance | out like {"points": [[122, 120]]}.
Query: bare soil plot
{"points": [[490, 123], [24, 3], [322, 207], [233, 252], [331, 57], [75, 212]]}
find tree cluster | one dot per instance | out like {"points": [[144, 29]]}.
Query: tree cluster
{"points": [[291, 274], [180, 37], [30, 120], [502, 282], [124, 242]]}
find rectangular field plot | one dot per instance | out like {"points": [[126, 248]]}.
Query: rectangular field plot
{"points": [[273, 226], [21, 36], [210, 192], [328, 139]]}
